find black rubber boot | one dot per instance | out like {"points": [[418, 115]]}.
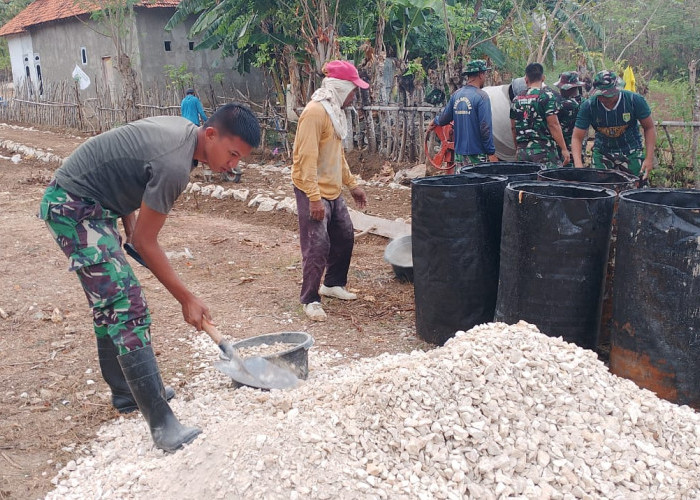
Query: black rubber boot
{"points": [[112, 372], [142, 375]]}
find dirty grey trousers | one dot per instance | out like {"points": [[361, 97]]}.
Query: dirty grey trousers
{"points": [[326, 245]]}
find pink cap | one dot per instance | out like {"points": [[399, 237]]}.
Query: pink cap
{"points": [[344, 70]]}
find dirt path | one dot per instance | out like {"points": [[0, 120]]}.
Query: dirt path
{"points": [[246, 266], [43, 140]]}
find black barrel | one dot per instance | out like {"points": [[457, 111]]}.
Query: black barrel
{"points": [[613, 179], [514, 170], [656, 301], [617, 181], [554, 249], [456, 231]]}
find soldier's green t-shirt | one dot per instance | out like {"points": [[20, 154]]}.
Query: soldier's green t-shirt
{"points": [[530, 111], [147, 160], [616, 130]]}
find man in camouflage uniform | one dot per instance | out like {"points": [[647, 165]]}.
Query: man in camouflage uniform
{"points": [[570, 89], [614, 114], [470, 110], [144, 166], [534, 122]]}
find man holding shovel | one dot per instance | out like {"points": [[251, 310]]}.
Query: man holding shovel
{"points": [[144, 166], [319, 172]]}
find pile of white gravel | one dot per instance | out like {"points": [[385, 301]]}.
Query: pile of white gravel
{"points": [[499, 411]]}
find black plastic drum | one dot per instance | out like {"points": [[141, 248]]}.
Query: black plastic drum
{"points": [[456, 231], [554, 250]]}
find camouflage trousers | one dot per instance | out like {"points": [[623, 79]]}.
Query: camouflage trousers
{"points": [[630, 163], [466, 160], [549, 157], [88, 235]]}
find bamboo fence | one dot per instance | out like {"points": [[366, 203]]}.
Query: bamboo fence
{"points": [[397, 132]]}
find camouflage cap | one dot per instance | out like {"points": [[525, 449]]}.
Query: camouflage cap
{"points": [[475, 66], [568, 80], [605, 84]]}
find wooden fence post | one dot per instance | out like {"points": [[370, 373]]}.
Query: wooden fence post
{"points": [[695, 89]]}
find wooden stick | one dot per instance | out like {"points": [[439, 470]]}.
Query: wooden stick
{"points": [[362, 233]]}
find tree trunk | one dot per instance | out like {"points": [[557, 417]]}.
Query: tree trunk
{"points": [[293, 93], [450, 74], [695, 89], [130, 86], [377, 91]]}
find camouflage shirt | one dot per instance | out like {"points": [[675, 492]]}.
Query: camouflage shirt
{"points": [[567, 116], [530, 111]]}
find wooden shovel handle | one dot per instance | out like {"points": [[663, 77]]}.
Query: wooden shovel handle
{"points": [[212, 331]]}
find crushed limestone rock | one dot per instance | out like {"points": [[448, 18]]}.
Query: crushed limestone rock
{"points": [[499, 411]]}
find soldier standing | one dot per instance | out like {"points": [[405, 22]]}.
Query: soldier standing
{"points": [[534, 123], [571, 96]]}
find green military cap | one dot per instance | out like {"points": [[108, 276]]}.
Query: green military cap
{"points": [[475, 66], [605, 84], [568, 80]]}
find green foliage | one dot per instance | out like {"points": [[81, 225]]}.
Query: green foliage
{"points": [[674, 101], [415, 68], [179, 78], [407, 17]]}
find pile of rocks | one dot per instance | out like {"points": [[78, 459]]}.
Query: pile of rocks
{"points": [[498, 411]]}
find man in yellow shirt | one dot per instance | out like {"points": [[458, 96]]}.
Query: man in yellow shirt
{"points": [[319, 172]]}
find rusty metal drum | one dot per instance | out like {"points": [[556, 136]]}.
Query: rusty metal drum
{"points": [[655, 337]]}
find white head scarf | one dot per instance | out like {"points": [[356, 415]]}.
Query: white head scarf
{"points": [[332, 94]]}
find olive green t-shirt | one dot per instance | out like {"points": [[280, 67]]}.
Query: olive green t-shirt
{"points": [[146, 161]]}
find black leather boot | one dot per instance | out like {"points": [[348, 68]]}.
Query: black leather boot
{"points": [[122, 399], [142, 375]]}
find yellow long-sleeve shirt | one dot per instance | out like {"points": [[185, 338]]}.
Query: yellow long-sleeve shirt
{"points": [[319, 167]]}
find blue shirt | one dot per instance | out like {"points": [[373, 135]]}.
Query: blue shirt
{"points": [[191, 108], [470, 110]]}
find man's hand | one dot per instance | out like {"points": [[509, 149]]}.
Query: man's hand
{"points": [[129, 222], [317, 210], [566, 157], [358, 194], [195, 311], [647, 165], [493, 158], [432, 126]]}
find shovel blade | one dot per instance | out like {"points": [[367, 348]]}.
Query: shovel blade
{"points": [[258, 373]]}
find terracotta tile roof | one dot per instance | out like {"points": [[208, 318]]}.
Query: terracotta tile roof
{"points": [[42, 11]]}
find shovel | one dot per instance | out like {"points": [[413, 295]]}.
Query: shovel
{"points": [[255, 372]]}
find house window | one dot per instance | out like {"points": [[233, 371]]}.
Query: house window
{"points": [[191, 45], [167, 45], [83, 55]]}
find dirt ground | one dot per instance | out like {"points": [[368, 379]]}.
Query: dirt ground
{"points": [[246, 266]]}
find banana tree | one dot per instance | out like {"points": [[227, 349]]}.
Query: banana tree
{"points": [[405, 18], [291, 40]]}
